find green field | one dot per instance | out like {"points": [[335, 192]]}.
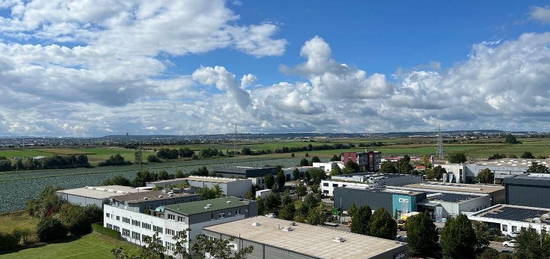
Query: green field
{"points": [[93, 246]]}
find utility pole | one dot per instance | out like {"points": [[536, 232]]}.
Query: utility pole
{"points": [[440, 151]]}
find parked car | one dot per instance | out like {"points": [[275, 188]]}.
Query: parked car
{"points": [[510, 243]]}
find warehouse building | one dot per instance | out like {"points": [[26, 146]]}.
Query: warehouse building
{"points": [[275, 238], [167, 221], [245, 171], [230, 186], [141, 201], [511, 219], [502, 168], [94, 195], [528, 190], [367, 180], [497, 192]]}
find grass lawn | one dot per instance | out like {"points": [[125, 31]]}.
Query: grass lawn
{"points": [[93, 246], [18, 220]]}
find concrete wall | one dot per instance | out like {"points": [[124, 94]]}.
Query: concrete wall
{"points": [[528, 195], [81, 201]]}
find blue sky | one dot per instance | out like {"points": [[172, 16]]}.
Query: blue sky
{"points": [[92, 68]]}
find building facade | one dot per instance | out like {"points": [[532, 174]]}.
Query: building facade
{"points": [[511, 219], [94, 195], [528, 190], [229, 186], [367, 161]]}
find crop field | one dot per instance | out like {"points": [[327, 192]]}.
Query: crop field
{"points": [[16, 188], [93, 246]]}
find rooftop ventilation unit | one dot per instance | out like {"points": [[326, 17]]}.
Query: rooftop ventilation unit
{"points": [[287, 229], [160, 196], [255, 224], [339, 239], [228, 202], [145, 198]]}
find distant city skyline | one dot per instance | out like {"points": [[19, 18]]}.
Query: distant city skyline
{"points": [[188, 67]]}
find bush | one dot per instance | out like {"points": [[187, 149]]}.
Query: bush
{"points": [[98, 228], [49, 229], [153, 159], [115, 160], [9, 241]]}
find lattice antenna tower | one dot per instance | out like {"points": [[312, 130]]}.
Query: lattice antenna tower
{"points": [[440, 151]]}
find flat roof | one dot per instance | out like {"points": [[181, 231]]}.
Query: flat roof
{"points": [[100, 192], [457, 187], [512, 162], [512, 212], [150, 196], [306, 239], [529, 179], [449, 197], [214, 179], [197, 207]]}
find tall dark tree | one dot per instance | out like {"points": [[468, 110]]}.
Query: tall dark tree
{"points": [[422, 236], [532, 244], [382, 224], [486, 176], [219, 248], [435, 173], [538, 168], [511, 139], [527, 155], [404, 165], [281, 179], [351, 167], [335, 158], [388, 167], [458, 239], [315, 159], [457, 158], [304, 162], [360, 220], [269, 181]]}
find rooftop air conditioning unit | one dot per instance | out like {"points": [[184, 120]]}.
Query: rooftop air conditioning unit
{"points": [[145, 198], [339, 240], [287, 229], [228, 202], [255, 224], [160, 196]]}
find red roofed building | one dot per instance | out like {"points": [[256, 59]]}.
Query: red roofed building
{"points": [[368, 161]]}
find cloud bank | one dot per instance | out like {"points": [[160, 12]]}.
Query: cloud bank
{"points": [[90, 68]]}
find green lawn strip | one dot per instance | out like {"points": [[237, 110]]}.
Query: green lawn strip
{"points": [[93, 245]]}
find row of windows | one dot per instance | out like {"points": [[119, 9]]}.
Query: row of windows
{"points": [[135, 223]]}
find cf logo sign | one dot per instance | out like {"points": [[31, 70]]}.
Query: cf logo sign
{"points": [[403, 200]]}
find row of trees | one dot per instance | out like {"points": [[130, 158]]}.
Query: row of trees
{"points": [[166, 153], [378, 224], [310, 147], [53, 162]]}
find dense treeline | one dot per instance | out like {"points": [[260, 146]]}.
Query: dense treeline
{"points": [[115, 160], [166, 153], [54, 162]]}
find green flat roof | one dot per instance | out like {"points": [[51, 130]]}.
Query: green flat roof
{"points": [[197, 207]]}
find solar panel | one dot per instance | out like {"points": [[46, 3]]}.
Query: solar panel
{"points": [[517, 214]]}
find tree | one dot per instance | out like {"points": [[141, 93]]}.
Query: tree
{"points": [[404, 165], [335, 158], [458, 239], [422, 236], [272, 203], [360, 220], [457, 158], [114, 160], [538, 168], [180, 174], [301, 190], [218, 248], [483, 236], [486, 176], [269, 181], [388, 167], [153, 159], [47, 203], [497, 156], [210, 193], [532, 244], [118, 180], [527, 155], [316, 216], [304, 162], [511, 139], [351, 167], [435, 173], [315, 176], [382, 224], [336, 171], [296, 174], [315, 159], [49, 229], [489, 253], [287, 212], [281, 179]]}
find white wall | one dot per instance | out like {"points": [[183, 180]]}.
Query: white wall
{"points": [[327, 186]]}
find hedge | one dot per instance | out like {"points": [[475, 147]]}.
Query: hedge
{"points": [[105, 231]]}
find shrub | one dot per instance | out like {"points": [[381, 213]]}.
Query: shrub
{"points": [[105, 231], [9, 241], [49, 229]]}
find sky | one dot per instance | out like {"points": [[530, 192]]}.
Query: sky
{"points": [[101, 67]]}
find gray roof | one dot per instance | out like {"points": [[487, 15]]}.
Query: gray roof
{"points": [[150, 196], [198, 207]]}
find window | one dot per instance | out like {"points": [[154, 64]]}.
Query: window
{"points": [[514, 229], [325, 184], [109, 226], [115, 228], [504, 228], [334, 185], [126, 220], [144, 237], [211, 216], [118, 218], [145, 225], [136, 235], [125, 232], [172, 216], [170, 232], [135, 223], [180, 218], [107, 215], [221, 215], [169, 246], [325, 191], [157, 229]]}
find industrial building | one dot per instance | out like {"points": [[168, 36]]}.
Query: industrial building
{"points": [[276, 238], [502, 168], [328, 166], [367, 180], [367, 161], [394, 201], [510, 219], [496, 192], [167, 221], [528, 190], [94, 195], [230, 186], [141, 201], [245, 171]]}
